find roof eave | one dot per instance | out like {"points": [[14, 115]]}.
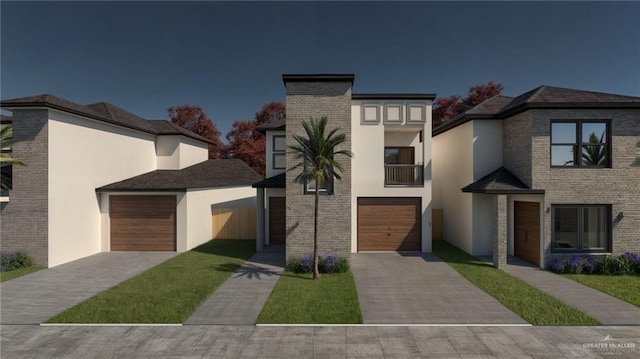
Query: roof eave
{"points": [[504, 191]]}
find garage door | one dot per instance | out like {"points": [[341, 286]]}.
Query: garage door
{"points": [[526, 229], [277, 220], [143, 223], [389, 224]]}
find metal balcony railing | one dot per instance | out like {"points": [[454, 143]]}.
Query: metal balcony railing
{"points": [[403, 175]]}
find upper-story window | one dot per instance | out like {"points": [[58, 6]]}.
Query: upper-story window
{"points": [[580, 143], [279, 152]]}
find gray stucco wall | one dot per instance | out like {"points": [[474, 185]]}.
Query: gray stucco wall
{"points": [[316, 99], [618, 186], [24, 219]]}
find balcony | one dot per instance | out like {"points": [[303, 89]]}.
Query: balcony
{"points": [[403, 175]]}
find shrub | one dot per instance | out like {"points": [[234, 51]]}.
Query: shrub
{"points": [[609, 266], [629, 263], [328, 264], [12, 261]]}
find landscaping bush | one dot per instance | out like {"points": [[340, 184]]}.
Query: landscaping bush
{"points": [[13, 261], [331, 263], [628, 263]]}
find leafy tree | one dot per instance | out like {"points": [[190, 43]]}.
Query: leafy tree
{"points": [[6, 140], [316, 155], [195, 120], [594, 154], [447, 108], [246, 143]]}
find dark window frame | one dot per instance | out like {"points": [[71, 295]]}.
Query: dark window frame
{"points": [[323, 191], [580, 233], [578, 145]]}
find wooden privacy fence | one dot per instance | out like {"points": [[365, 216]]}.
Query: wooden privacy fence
{"points": [[233, 223]]}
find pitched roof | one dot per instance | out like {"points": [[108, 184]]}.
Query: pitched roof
{"points": [[557, 97], [165, 128], [101, 111], [277, 125], [485, 109], [278, 181], [207, 174], [500, 107], [500, 181]]}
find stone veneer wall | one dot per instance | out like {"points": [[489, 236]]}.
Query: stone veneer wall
{"points": [[618, 186], [24, 219], [316, 99]]}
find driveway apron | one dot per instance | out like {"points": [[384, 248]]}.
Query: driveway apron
{"points": [[36, 297], [241, 298], [412, 288]]}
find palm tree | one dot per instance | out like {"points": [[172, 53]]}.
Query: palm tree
{"points": [[6, 137], [316, 153], [594, 153]]}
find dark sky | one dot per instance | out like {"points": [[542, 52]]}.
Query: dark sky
{"points": [[228, 57]]}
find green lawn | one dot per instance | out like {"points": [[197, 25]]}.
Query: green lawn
{"points": [[297, 298], [4, 276], [625, 287], [529, 303], [167, 293]]}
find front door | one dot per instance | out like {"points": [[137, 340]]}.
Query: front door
{"points": [[526, 229]]}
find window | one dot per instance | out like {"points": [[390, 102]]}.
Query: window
{"points": [[327, 188], [581, 228], [279, 152], [580, 144]]}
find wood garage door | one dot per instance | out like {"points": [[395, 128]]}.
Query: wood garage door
{"points": [[389, 224], [143, 223], [277, 220], [526, 228]]}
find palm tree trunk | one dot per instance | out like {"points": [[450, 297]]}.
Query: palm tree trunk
{"points": [[316, 273]]}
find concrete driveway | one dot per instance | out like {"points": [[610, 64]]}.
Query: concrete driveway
{"points": [[36, 297], [396, 288]]}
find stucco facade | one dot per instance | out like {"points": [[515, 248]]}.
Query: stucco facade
{"points": [[53, 211]]}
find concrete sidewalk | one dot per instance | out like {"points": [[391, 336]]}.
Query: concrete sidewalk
{"points": [[36, 297], [241, 298], [603, 307], [404, 288], [222, 341]]}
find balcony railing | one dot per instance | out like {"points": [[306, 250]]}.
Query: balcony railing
{"points": [[403, 175]]}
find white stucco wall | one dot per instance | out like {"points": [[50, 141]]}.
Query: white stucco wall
{"points": [[452, 170], [178, 152], [83, 155], [367, 166], [199, 204], [270, 171]]}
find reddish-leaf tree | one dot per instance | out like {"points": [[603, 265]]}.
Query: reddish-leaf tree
{"points": [[447, 108], [246, 143], [195, 120]]}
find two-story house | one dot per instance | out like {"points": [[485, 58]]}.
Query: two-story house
{"points": [[98, 179], [383, 202], [551, 172]]}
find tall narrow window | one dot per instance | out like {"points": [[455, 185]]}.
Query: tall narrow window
{"points": [[279, 152], [580, 143]]}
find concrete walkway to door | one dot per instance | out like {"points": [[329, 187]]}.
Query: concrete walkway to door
{"points": [[398, 288], [241, 298], [601, 306], [36, 297]]}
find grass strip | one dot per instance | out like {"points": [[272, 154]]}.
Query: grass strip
{"points": [[625, 287], [5, 276], [530, 303], [298, 299], [167, 293]]}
